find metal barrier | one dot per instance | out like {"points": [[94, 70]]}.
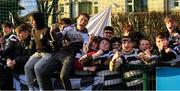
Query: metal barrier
{"points": [[147, 77], [138, 77]]}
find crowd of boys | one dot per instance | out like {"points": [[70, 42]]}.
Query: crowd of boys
{"points": [[69, 49]]}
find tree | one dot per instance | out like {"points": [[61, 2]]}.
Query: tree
{"points": [[7, 6], [48, 7]]}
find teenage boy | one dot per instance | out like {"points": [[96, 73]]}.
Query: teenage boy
{"points": [[27, 48], [10, 50], [44, 49], [147, 54], [128, 55], [63, 60], [150, 58], [108, 32], [173, 32], [167, 54]]}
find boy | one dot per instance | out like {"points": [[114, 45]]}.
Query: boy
{"points": [[10, 50], [147, 52], [167, 54], [116, 44], [41, 36], [150, 59], [173, 32], [129, 55], [78, 36], [108, 32], [97, 62], [128, 30]]}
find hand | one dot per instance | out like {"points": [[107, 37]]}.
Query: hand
{"points": [[85, 60], [91, 38], [168, 50], [160, 46], [92, 69], [143, 57], [10, 63], [83, 57], [148, 52]]}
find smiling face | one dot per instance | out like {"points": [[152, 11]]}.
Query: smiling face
{"points": [[127, 44], [116, 45], [82, 21]]}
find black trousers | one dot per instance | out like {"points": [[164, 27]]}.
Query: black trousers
{"points": [[6, 78], [61, 61]]}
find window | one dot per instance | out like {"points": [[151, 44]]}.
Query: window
{"points": [[85, 7], [129, 1], [176, 3], [130, 6], [61, 7], [144, 5], [95, 2], [140, 5], [95, 9], [136, 5]]}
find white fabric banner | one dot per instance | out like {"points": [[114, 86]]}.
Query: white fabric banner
{"points": [[99, 21]]}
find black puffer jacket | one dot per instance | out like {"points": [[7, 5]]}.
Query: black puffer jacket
{"points": [[11, 47], [27, 48]]}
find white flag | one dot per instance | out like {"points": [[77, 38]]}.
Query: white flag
{"points": [[99, 21]]}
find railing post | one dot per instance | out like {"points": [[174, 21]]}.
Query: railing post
{"points": [[145, 80]]}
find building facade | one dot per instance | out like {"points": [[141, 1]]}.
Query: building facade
{"points": [[163, 5], [71, 8]]}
